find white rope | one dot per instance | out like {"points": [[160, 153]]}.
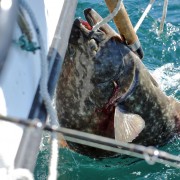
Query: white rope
{"points": [[54, 157], [109, 17], [163, 17], [23, 174], [45, 95], [144, 15], [15, 174]]}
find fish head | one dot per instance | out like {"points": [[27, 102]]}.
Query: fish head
{"points": [[97, 48], [85, 40]]}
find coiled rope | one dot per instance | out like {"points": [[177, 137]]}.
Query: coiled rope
{"points": [[45, 95]]}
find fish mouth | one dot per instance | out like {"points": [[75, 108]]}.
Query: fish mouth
{"points": [[82, 30], [91, 19], [92, 16], [84, 40]]}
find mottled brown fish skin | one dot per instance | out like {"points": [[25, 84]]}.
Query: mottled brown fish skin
{"points": [[98, 69], [87, 83], [157, 109]]}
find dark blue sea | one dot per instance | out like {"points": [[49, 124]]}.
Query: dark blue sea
{"points": [[162, 58]]}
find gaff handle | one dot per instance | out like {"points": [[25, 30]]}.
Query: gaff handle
{"points": [[125, 27]]}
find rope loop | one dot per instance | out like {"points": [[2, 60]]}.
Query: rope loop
{"points": [[109, 17]]}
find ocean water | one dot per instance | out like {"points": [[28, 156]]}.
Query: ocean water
{"points": [[162, 58]]}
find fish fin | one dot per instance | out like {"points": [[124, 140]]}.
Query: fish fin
{"points": [[127, 126], [61, 141]]}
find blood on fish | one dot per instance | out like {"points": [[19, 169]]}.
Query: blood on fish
{"points": [[106, 124], [114, 96], [107, 120]]}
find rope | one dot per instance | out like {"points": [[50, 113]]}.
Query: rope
{"points": [[15, 174], [144, 15], [109, 17], [163, 17], [45, 95], [25, 41], [19, 173], [24, 25], [54, 157], [115, 11]]}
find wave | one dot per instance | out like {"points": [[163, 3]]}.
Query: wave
{"points": [[168, 78]]}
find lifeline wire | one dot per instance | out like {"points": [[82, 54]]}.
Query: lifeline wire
{"points": [[163, 17], [144, 15], [150, 154], [109, 17], [45, 95]]}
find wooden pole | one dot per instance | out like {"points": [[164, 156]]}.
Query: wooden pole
{"points": [[125, 27]]}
